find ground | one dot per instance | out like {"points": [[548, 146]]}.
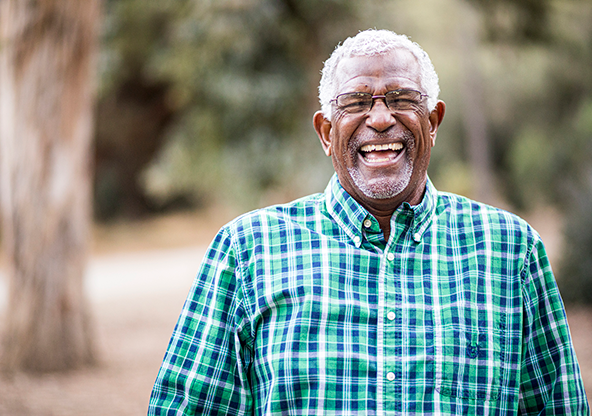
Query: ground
{"points": [[138, 277]]}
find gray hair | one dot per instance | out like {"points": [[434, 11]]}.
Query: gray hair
{"points": [[376, 42]]}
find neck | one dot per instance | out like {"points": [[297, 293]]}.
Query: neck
{"points": [[383, 210], [385, 224]]}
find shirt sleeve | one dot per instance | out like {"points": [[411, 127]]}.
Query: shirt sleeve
{"points": [[204, 371], [551, 383]]}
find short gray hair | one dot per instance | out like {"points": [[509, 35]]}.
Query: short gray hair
{"points": [[376, 42]]}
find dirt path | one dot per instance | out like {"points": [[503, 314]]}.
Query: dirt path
{"points": [[135, 299]]}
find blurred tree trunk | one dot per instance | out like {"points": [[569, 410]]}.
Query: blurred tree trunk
{"points": [[474, 117], [47, 60]]}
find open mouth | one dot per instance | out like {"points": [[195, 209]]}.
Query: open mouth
{"points": [[378, 153]]}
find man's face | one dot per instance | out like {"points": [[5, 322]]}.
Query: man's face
{"points": [[381, 157]]}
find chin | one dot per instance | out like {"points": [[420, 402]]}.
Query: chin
{"points": [[381, 187]]}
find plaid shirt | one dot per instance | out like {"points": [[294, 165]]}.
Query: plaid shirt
{"points": [[304, 309]]}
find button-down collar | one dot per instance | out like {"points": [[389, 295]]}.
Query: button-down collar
{"points": [[419, 216], [356, 221], [346, 211]]}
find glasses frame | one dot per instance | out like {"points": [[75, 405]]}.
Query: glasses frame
{"points": [[374, 97]]}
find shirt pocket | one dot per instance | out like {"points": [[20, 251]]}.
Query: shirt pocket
{"points": [[469, 362]]}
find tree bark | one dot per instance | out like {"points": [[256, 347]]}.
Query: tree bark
{"points": [[474, 117], [47, 60]]}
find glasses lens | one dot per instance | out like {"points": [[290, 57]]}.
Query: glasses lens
{"points": [[355, 102], [403, 99]]}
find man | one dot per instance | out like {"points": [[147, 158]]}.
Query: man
{"points": [[382, 295]]}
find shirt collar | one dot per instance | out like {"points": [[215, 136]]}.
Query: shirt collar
{"points": [[345, 210], [420, 214], [353, 217]]}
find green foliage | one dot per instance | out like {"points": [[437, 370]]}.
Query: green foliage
{"points": [[540, 90], [531, 166], [240, 78], [516, 21], [575, 278]]}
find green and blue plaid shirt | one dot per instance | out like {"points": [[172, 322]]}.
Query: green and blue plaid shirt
{"points": [[304, 309]]}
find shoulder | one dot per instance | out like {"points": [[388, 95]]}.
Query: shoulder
{"points": [[483, 218], [276, 217]]}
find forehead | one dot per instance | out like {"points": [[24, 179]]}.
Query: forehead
{"points": [[395, 69]]}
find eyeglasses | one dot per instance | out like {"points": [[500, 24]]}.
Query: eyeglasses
{"points": [[362, 102]]}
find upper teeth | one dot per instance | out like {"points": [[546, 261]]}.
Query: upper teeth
{"points": [[378, 147]]}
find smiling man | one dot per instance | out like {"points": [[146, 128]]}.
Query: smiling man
{"points": [[381, 295], [381, 134]]}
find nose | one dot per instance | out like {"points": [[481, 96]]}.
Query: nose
{"points": [[380, 118]]}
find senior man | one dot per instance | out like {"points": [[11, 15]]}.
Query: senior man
{"points": [[380, 295]]}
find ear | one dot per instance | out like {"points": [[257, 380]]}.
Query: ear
{"points": [[323, 129], [436, 117]]}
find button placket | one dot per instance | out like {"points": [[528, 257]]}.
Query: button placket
{"points": [[392, 324]]}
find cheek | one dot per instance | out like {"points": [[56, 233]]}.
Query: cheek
{"points": [[424, 149], [341, 137], [420, 127], [338, 148]]}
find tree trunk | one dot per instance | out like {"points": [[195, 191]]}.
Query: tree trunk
{"points": [[47, 60], [474, 117]]}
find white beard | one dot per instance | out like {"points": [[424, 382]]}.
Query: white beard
{"points": [[383, 187]]}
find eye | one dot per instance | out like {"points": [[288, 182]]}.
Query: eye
{"points": [[354, 102], [353, 105], [402, 100]]}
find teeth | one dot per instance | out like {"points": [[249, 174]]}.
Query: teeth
{"points": [[384, 159], [376, 148]]}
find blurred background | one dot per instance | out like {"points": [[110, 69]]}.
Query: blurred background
{"points": [[203, 111], [210, 103]]}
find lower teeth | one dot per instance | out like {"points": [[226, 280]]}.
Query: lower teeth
{"points": [[384, 159]]}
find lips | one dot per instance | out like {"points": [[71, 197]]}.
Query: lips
{"points": [[378, 153]]}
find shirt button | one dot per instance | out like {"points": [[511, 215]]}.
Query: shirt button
{"points": [[367, 223], [417, 237], [390, 376], [357, 240], [391, 316], [390, 256]]}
